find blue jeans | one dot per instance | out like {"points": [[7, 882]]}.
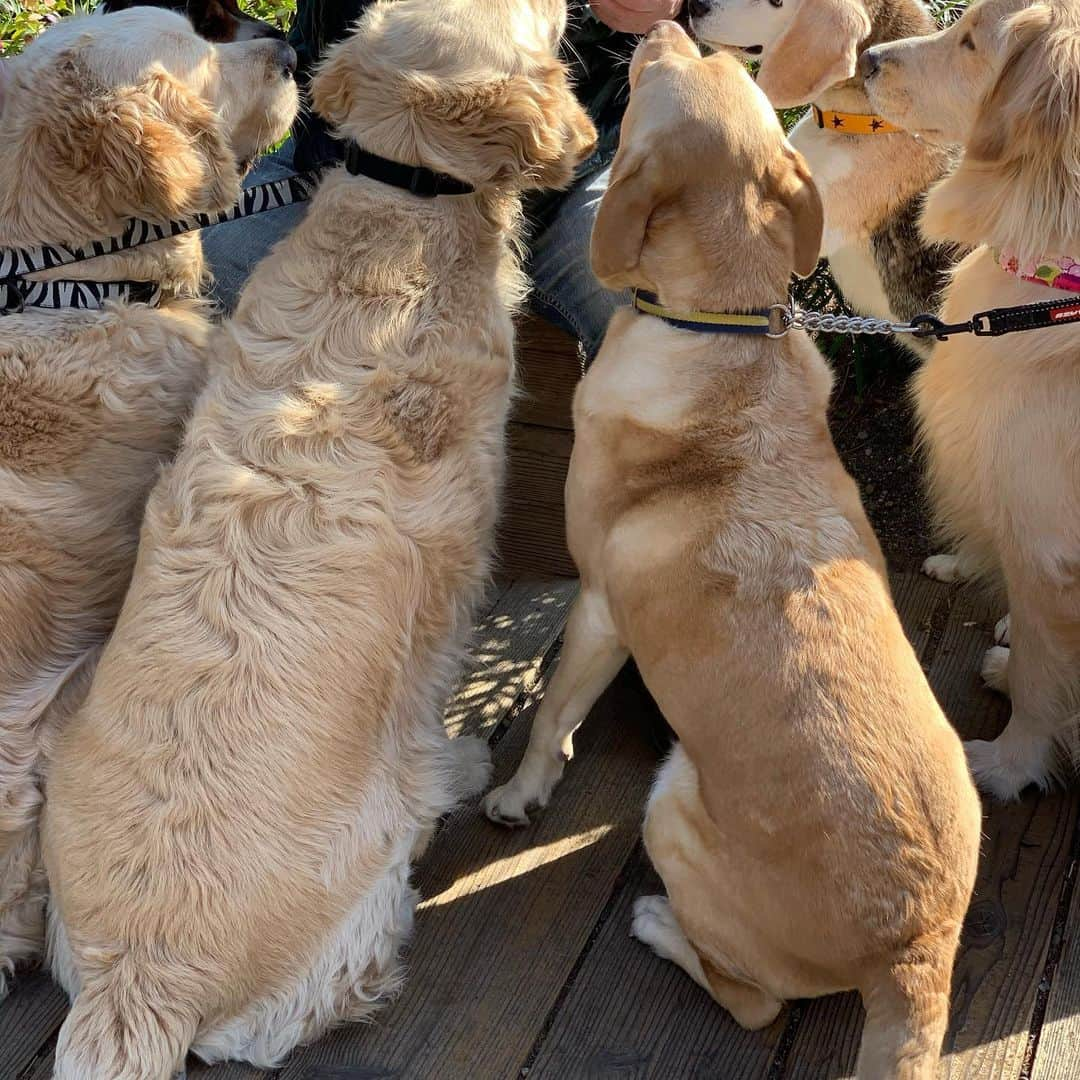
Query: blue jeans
{"points": [[564, 289]]}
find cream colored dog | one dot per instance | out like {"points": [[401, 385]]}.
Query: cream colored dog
{"points": [[999, 416], [872, 185], [816, 826], [101, 119], [232, 815]]}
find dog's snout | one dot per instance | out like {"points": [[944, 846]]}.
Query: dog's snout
{"points": [[286, 57], [699, 8], [869, 63]]}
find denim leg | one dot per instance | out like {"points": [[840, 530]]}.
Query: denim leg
{"points": [[565, 292], [233, 249]]}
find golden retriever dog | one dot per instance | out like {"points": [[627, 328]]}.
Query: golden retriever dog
{"points": [[872, 184], [816, 827], [998, 415], [231, 816], [103, 118]]}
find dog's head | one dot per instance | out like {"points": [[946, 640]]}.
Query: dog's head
{"points": [[106, 117], [1017, 111], [471, 88], [704, 181], [805, 46], [215, 20], [932, 84]]}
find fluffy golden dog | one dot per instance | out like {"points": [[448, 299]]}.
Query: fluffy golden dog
{"points": [[101, 119], [998, 416], [232, 815], [872, 185], [816, 826]]}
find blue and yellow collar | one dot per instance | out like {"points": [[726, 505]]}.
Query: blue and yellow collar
{"points": [[762, 321]]}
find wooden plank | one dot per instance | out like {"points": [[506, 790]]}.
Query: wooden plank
{"points": [[532, 528], [632, 1015], [29, 1016], [1024, 856], [1058, 1052], [508, 648], [504, 918], [550, 366]]}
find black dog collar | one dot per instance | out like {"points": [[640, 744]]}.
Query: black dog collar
{"points": [[426, 183]]}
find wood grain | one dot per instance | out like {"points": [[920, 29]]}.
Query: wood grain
{"points": [[550, 365], [29, 1016]]}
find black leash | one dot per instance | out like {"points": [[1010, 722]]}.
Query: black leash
{"points": [[999, 321]]}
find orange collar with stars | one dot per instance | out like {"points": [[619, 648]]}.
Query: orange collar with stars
{"points": [[852, 123]]}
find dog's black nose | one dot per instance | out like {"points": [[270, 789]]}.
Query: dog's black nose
{"points": [[869, 64], [286, 57], [699, 8]]}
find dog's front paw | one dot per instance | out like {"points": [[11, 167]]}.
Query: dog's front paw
{"points": [[946, 568], [473, 763], [995, 669], [508, 805], [1001, 632], [1004, 774]]}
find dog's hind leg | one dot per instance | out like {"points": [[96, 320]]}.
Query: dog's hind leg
{"points": [[591, 657], [907, 1013]]}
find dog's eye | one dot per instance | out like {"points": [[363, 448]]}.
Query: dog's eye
{"points": [[968, 42], [777, 3]]}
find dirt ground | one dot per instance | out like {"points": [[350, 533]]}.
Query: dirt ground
{"points": [[873, 428]]}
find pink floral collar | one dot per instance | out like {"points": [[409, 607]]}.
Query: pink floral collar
{"points": [[1059, 272]]}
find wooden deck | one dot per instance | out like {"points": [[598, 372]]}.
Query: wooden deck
{"points": [[522, 963]]}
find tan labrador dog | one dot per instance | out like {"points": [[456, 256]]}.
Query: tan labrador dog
{"points": [[102, 118], [872, 184], [232, 815], [999, 416], [815, 827]]}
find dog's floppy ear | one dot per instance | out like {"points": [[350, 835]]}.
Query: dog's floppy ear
{"points": [[795, 189], [819, 49], [151, 151], [526, 131], [622, 222], [1018, 184]]}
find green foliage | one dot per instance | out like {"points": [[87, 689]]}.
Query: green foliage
{"points": [[22, 20]]}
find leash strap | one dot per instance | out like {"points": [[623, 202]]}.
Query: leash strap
{"points": [[426, 183], [1000, 321], [706, 322], [16, 263]]}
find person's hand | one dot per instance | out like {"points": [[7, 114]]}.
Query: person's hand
{"points": [[634, 16]]}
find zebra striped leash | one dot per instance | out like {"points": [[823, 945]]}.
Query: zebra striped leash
{"points": [[17, 294]]}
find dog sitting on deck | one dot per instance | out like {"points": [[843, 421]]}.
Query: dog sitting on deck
{"points": [[815, 826], [102, 118], [871, 176], [232, 815], [1000, 416]]}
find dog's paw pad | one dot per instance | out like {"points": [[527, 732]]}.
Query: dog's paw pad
{"points": [[944, 568], [995, 669]]}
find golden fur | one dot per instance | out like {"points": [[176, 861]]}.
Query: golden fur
{"points": [[871, 185], [232, 814], [815, 827], [999, 415], [101, 119]]}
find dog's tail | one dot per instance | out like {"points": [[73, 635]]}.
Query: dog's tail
{"points": [[128, 1022], [907, 1013]]}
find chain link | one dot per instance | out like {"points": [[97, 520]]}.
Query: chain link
{"points": [[791, 317]]}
